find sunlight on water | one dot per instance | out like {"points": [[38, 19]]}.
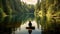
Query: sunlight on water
{"points": [[23, 30]]}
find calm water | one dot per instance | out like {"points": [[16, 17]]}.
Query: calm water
{"points": [[16, 24], [23, 30]]}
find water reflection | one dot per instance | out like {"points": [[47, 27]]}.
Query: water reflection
{"points": [[16, 24], [25, 29], [30, 28]]}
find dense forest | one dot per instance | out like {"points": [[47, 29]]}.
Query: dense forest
{"points": [[13, 13], [15, 8]]}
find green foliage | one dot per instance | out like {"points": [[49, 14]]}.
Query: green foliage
{"points": [[16, 12]]}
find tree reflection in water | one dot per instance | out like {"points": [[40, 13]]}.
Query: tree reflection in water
{"points": [[9, 24]]}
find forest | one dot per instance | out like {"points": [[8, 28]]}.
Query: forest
{"points": [[13, 13]]}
